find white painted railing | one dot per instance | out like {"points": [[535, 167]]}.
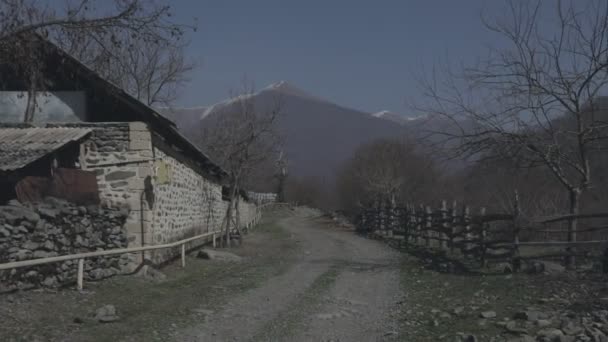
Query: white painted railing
{"points": [[82, 256]]}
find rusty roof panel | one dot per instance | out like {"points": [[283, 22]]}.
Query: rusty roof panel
{"points": [[21, 146]]}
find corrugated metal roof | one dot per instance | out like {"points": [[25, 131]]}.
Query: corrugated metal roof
{"points": [[22, 146]]}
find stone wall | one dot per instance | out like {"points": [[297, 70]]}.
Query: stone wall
{"points": [[168, 199], [56, 227], [121, 155], [187, 204]]}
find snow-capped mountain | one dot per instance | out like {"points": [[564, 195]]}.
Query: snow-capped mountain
{"points": [[319, 134]]}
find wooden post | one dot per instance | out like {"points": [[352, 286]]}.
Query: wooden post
{"points": [[482, 237], [183, 255], [515, 262], [452, 226], [419, 218], [429, 226], [214, 240], [80, 280], [411, 225], [445, 225], [466, 221]]}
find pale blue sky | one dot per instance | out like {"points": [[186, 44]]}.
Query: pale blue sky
{"points": [[361, 54]]}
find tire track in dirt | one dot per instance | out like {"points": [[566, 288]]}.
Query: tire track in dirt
{"points": [[342, 287]]}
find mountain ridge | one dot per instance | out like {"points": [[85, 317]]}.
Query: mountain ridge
{"points": [[320, 135]]}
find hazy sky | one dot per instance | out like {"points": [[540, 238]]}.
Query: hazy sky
{"points": [[361, 54]]}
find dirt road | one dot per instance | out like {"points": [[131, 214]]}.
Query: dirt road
{"points": [[299, 280], [340, 287]]}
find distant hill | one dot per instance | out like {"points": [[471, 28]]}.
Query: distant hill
{"points": [[319, 134]]}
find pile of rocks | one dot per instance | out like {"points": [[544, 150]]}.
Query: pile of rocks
{"points": [[542, 326], [532, 325], [55, 227]]}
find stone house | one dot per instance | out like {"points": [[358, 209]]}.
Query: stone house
{"points": [[140, 160]]}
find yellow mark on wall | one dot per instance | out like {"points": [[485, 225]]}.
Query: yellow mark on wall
{"points": [[163, 172]]}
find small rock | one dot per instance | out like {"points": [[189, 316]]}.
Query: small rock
{"points": [[49, 245], [41, 254], [550, 333], [78, 320], [50, 282], [106, 314], [458, 310], [48, 212], [30, 245], [488, 314], [151, 273], [543, 323], [504, 267], [218, 255], [571, 329], [445, 315], [530, 315], [512, 327], [522, 338], [31, 274], [5, 232]]}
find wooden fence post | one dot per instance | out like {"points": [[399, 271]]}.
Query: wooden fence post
{"points": [[482, 237], [80, 279], [516, 262], [452, 226], [466, 221], [444, 225], [183, 255], [428, 226], [413, 226], [420, 217]]}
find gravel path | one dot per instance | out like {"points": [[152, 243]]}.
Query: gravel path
{"points": [[342, 287]]}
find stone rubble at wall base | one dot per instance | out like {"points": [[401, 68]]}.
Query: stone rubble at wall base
{"points": [[55, 227]]}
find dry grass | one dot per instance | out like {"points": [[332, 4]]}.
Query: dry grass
{"points": [[149, 311]]}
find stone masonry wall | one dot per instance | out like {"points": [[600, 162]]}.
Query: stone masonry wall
{"points": [[56, 227], [187, 205], [121, 155], [182, 205]]}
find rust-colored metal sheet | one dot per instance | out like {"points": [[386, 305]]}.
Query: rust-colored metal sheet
{"points": [[76, 186], [73, 185], [32, 189]]}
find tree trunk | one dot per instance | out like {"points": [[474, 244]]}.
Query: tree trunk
{"points": [[574, 196], [281, 189], [229, 213], [30, 107], [237, 218]]}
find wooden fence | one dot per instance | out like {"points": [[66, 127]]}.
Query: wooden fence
{"points": [[484, 236]]}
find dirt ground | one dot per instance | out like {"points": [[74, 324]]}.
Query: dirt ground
{"points": [[298, 281], [301, 279], [340, 287]]}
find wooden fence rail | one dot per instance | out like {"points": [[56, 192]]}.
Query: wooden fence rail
{"points": [[82, 256], [485, 236]]}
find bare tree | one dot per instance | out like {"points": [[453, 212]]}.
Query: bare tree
{"points": [[109, 28], [239, 138], [385, 172], [151, 72], [534, 101], [281, 176]]}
